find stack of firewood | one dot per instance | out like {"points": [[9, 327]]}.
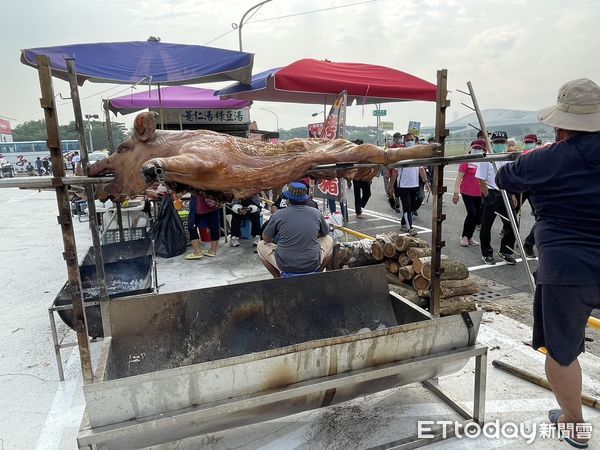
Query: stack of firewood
{"points": [[408, 261]]}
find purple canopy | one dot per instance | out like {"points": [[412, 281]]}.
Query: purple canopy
{"points": [[173, 97], [149, 62]]}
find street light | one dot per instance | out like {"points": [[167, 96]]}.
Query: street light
{"points": [[276, 118], [241, 24], [317, 113], [88, 117]]}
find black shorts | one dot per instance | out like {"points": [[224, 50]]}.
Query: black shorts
{"points": [[560, 315]]}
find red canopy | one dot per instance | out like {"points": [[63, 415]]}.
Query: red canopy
{"points": [[313, 81]]}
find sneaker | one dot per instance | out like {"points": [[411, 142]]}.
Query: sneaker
{"points": [[234, 242], [412, 232], [529, 253], [403, 229], [473, 242], [510, 259], [256, 241], [464, 241], [489, 260]]}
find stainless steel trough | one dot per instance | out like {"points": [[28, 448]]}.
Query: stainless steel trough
{"points": [[189, 363]]}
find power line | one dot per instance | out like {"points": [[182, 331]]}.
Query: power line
{"points": [[312, 11]]}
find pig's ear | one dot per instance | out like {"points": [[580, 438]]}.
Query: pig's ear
{"points": [[144, 126]]}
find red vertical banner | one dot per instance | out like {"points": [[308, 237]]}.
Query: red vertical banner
{"points": [[333, 128]]}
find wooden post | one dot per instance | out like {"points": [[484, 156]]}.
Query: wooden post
{"points": [[64, 215], [437, 216], [90, 194]]}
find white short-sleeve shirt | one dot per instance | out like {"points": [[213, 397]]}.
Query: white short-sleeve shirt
{"points": [[485, 171]]}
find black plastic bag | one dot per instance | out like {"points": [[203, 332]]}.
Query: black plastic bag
{"points": [[167, 231]]}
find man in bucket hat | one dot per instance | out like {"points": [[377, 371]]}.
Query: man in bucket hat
{"points": [[563, 181], [296, 239]]}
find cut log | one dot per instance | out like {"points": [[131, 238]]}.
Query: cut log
{"points": [[403, 243], [418, 252], [420, 283], [389, 248], [377, 250], [392, 265], [453, 288], [406, 273], [453, 270], [419, 262], [403, 259], [405, 291], [456, 305]]}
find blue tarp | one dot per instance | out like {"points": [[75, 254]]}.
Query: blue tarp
{"points": [[149, 62]]}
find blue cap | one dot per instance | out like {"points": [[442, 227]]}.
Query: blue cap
{"points": [[296, 191]]}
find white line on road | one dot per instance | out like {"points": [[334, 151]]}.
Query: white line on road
{"points": [[491, 266], [382, 216]]}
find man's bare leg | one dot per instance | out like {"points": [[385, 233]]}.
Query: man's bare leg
{"points": [[566, 384]]}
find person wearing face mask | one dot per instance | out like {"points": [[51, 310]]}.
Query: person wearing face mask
{"points": [[492, 204], [469, 189], [405, 185], [563, 181]]}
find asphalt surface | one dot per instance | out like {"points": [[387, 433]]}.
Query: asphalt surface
{"points": [[378, 217]]}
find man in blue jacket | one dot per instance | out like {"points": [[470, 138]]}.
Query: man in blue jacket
{"points": [[563, 180]]}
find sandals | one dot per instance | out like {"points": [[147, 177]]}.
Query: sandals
{"points": [[193, 256], [208, 253], [553, 416]]}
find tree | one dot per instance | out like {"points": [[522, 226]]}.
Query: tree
{"points": [[35, 130]]}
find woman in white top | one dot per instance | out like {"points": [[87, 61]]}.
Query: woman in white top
{"points": [[405, 183]]}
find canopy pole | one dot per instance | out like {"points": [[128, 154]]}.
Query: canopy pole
{"points": [[91, 203], [64, 215], [160, 109], [437, 215], [109, 135]]}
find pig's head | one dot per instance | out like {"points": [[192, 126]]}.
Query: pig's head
{"points": [[126, 163]]}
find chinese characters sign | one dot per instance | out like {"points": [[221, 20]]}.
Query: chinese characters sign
{"points": [[208, 116]]}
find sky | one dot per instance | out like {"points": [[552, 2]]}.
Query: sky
{"points": [[516, 53]]}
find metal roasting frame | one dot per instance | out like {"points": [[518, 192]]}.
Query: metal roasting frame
{"points": [[61, 183]]}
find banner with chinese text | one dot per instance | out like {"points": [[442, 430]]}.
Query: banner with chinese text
{"points": [[333, 128]]}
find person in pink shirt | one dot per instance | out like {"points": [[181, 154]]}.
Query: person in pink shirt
{"points": [[468, 186]]}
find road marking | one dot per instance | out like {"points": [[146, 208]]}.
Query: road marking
{"points": [[63, 413], [382, 216], [500, 263]]}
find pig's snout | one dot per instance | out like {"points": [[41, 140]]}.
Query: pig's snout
{"points": [[152, 171]]}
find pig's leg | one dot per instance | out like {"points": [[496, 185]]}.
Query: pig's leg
{"points": [[178, 168], [393, 155]]}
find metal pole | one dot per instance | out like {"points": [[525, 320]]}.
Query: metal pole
{"points": [[109, 134], [64, 217], [437, 215], [160, 109], [507, 204], [91, 138], [90, 194], [241, 24]]}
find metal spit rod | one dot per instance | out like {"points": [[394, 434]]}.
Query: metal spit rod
{"points": [[507, 203]]}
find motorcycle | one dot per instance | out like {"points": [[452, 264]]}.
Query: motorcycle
{"points": [[7, 170]]}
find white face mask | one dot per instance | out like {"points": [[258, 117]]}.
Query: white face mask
{"points": [[409, 143], [476, 151]]}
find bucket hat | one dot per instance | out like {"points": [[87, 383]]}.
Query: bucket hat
{"points": [[577, 107], [296, 191]]}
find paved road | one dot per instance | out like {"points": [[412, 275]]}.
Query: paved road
{"points": [[378, 217]]}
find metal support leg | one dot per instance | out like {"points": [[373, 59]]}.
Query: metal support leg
{"points": [[480, 388], [61, 374]]}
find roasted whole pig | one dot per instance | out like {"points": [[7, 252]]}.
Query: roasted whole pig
{"points": [[223, 166]]}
